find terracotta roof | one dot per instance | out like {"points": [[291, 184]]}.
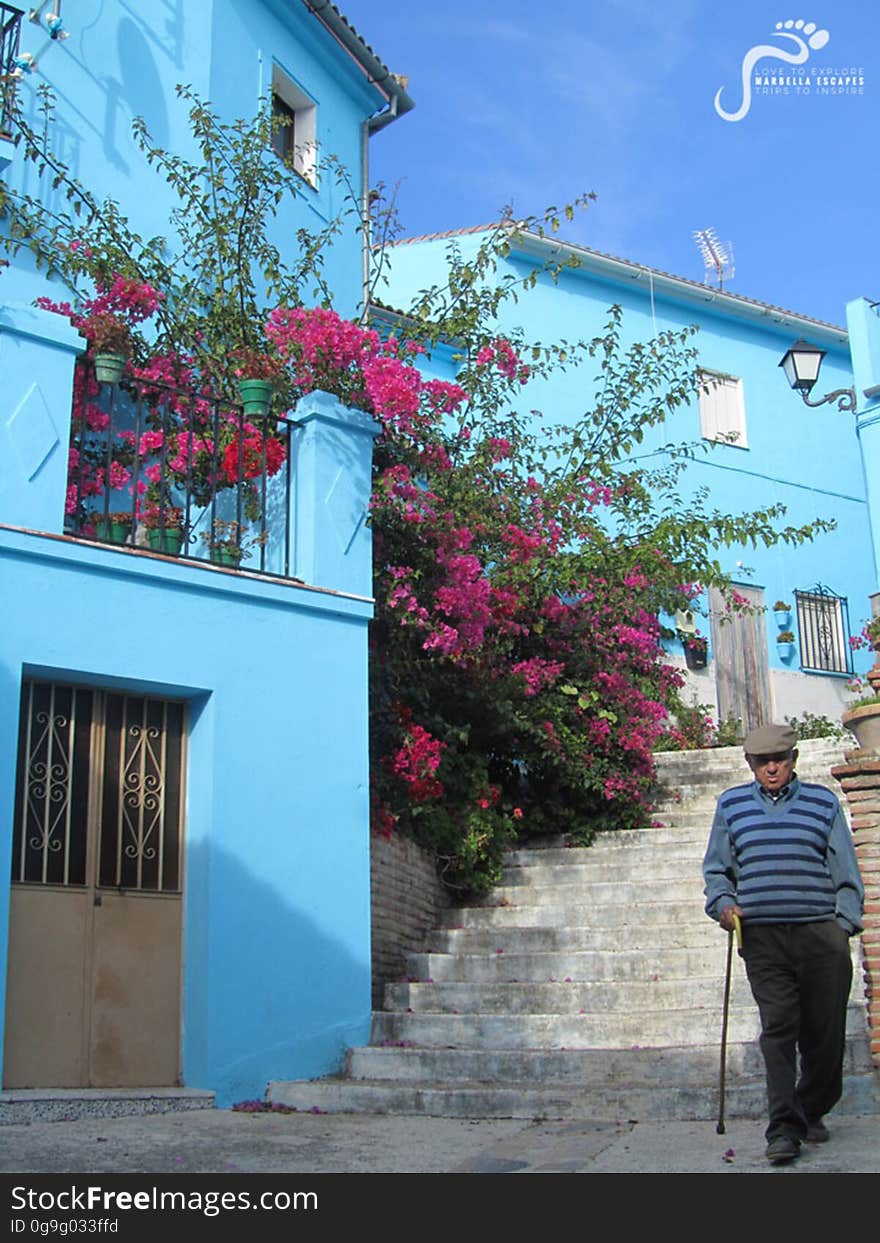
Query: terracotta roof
{"points": [[431, 237], [588, 252]]}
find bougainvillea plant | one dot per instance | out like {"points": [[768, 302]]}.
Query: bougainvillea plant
{"points": [[517, 677]]}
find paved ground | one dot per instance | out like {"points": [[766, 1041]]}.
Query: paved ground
{"points": [[223, 1142]]}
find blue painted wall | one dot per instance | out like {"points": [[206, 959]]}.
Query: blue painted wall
{"points": [[863, 321], [808, 459], [124, 59], [277, 921]]}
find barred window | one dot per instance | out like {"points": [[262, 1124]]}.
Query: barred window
{"points": [[823, 630]]}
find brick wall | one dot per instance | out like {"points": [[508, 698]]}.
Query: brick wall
{"points": [[860, 778], [407, 898]]}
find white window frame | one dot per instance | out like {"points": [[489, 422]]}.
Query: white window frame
{"points": [[305, 125], [722, 408]]}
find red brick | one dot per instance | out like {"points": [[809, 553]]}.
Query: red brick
{"points": [[858, 796], [856, 768]]}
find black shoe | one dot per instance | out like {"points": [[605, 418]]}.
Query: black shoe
{"points": [[817, 1132], [781, 1149]]}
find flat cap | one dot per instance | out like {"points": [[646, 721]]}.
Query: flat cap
{"points": [[770, 739]]}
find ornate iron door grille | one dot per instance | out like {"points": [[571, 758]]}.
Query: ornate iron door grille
{"points": [[132, 748], [52, 791], [823, 630]]}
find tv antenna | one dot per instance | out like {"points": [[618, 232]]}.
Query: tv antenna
{"points": [[717, 256]]}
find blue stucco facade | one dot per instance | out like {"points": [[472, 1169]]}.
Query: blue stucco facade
{"points": [[273, 670], [127, 62], [810, 460]]}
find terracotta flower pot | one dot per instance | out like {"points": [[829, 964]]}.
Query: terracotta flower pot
{"points": [[864, 722]]}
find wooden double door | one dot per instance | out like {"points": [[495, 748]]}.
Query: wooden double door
{"points": [[93, 994]]}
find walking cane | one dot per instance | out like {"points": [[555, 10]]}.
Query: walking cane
{"points": [[736, 924]]}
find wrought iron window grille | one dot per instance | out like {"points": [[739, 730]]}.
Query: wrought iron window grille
{"points": [[823, 631]]}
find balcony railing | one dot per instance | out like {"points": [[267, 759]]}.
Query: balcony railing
{"points": [[179, 472], [10, 32]]}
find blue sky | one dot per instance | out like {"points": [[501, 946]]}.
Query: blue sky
{"points": [[532, 106]]}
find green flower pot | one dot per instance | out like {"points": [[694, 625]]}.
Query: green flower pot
{"points": [[112, 532], [110, 368], [169, 541], [256, 396], [226, 556]]}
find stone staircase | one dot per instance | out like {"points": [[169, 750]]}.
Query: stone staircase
{"points": [[589, 984]]}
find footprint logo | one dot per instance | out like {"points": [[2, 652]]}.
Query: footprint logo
{"points": [[803, 35]]}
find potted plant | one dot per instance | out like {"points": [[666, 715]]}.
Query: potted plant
{"points": [[257, 373], [226, 543], [114, 527], [871, 632], [109, 338], [862, 719], [696, 650], [785, 644], [783, 614], [164, 528]]}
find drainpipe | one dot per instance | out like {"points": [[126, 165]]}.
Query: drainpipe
{"points": [[371, 126], [389, 84], [365, 219]]}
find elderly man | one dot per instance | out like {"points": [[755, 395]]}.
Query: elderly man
{"points": [[780, 856]]}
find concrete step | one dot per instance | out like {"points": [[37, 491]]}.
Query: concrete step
{"points": [[579, 965], [690, 821], [484, 937], [605, 915], [597, 894], [604, 853], [743, 1099], [567, 996], [673, 1065], [480, 1100], [633, 866], [621, 1029]]}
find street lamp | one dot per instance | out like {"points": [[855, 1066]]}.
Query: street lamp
{"points": [[801, 365]]}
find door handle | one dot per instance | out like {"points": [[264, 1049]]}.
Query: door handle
{"points": [[99, 899]]}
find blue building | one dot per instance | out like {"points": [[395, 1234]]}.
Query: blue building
{"points": [[183, 741], [766, 447]]}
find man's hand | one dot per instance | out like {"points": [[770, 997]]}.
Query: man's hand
{"points": [[725, 919]]}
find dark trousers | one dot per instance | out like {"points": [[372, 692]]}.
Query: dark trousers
{"points": [[800, 976]]}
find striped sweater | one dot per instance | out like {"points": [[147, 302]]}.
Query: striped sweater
{"points": [[784, 861]]}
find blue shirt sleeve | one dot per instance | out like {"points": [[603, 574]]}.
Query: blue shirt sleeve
{"points": [[844, 869], [719, 868]]}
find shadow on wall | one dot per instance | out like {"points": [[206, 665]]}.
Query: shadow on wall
{"points": [[10, 692], [141, 90], [269, 993]]}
